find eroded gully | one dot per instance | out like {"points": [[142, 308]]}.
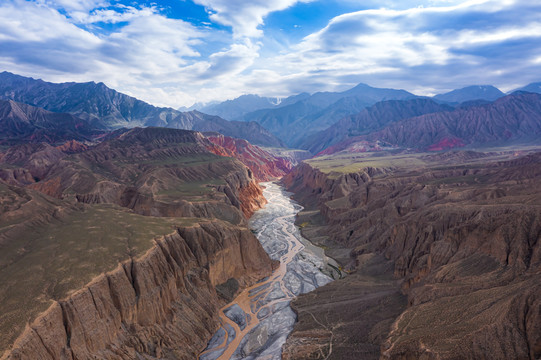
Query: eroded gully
{"points": [[256, 324]]}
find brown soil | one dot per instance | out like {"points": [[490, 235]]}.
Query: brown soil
{"points": [[463, 240]]}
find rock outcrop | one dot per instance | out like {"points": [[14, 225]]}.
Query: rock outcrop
{"points": [[153, 171], [70, 214], [462, 239], [263, 164], [163, 304]]}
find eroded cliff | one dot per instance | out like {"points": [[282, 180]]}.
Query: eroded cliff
{"points": [[462, 240], [162, 304], [89, 272]]}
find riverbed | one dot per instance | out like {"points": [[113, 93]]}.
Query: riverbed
{"points": [[256, 324]]}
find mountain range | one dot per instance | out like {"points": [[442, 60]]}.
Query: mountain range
{"points": [[362, 118], [24, 123], [295, 122], [470, 93], [371, 119], [304, 121], [511, 120], [236, 109], [122, 236], [103, 108]]}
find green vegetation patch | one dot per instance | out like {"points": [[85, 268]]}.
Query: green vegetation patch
{"points": [[349, 163], [48, 261], [192, 191]]}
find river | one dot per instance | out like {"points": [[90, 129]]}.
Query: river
{"points": [[257, 322]]}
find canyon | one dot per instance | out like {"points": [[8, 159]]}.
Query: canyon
{"points": [[257, 322], [405, 227], [123, 248], [443, 258]]}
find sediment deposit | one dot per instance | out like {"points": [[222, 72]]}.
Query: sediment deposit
{"points": [[257, 322]]}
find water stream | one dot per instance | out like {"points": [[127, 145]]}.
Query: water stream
{"points": [[256, 324]]}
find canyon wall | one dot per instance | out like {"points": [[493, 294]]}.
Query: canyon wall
{"points": [[461, 243], [161, 305], [264, 165], [74, 213]]}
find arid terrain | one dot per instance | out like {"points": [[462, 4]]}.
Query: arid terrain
{"points": [[442, 251], [118, 249], [127, 230]]}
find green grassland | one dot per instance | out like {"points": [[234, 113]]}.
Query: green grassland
{"points": [[348, 163], [341, 163]]}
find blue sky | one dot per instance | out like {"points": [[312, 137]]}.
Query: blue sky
{"points": [[177, 52]]}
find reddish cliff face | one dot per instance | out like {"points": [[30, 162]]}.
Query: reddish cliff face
{"points": [[155, 172], [263, 165], [72, 146], [163, 304], [160, 304], [462, 239]]}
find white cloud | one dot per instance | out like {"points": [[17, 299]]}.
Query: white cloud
{"points": [[245, 17], [75, 5], [442, 45], [421, 48]]}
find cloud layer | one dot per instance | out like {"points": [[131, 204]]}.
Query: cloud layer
{"points": [[424, 47]]}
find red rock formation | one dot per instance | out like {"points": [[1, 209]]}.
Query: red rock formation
{"points": [[72, 146], [446, 144], [163, 304], [51, 187], [105, 174], [264, 165]]}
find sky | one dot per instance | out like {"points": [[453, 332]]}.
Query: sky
{"points": [[179, 52]]}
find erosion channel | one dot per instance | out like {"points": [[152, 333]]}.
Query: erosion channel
{"points": [[256, 324]]}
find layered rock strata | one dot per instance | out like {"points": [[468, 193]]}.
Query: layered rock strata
{"points": [[463, 243], [73, 213], [161, 305], [264, 165]]}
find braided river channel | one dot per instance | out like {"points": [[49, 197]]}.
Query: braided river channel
{"points": [[257, 322]]}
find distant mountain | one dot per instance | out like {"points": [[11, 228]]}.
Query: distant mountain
{"points": [[297, 121], [533, 87], [469, 93], [371, 119], [24, 123], [107, 109], [511, 120], [235, 109]]}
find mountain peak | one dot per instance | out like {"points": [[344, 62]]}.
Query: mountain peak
{"points": [[469, 93], [533, 87]]}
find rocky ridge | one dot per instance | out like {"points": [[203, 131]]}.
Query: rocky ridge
{"points": [[163, 304], [102, 108], [263, 164], [21, 123], [162, 299], [461, 240], [510, 120], [369, 120]]}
